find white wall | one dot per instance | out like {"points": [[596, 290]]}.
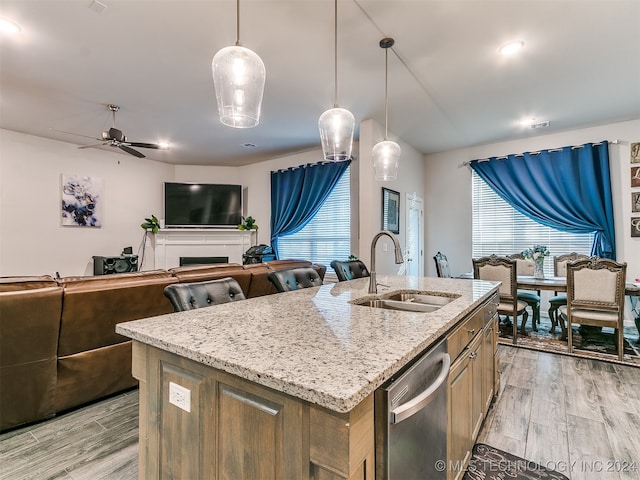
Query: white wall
{"points": [[409, 180], [32, 238], [448, 187]]}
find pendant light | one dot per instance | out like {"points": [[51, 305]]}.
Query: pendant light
{"points": [[238, 78], [386, 154], [336, 125]]}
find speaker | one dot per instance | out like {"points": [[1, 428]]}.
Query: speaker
{"points": [[121, 264]]}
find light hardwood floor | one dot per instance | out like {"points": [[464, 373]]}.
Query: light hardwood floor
{"points": [[578, 416]]}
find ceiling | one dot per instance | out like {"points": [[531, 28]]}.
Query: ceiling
{"points": [[448, 86]]}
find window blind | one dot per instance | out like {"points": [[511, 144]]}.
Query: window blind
{"points": [[498, 228], [327, 236]]}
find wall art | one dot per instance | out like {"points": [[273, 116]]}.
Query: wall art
{"points": [[81, 201], [390, 210], [635, 201], [635, 152], [635, 226], [635, 176]]}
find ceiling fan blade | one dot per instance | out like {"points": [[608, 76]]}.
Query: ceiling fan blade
{"points": [[131, 151], [144, 145], [77, 134], [94, 145]]}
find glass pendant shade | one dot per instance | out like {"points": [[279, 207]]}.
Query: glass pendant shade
{"points": [[336, 134], [238, 78], [386, 156]]}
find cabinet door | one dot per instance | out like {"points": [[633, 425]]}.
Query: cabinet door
{"points": [[476, 357], [488, 359], [459, 417]]}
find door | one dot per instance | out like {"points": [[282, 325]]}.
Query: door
{"points": [[415, 237]]}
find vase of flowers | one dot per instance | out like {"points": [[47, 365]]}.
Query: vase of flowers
{"points": [[536, 254]]}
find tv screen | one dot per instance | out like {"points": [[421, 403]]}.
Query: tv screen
{"points": [[202, 205]]}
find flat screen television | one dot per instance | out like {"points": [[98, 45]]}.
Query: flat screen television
{"points": [[202, 205]]}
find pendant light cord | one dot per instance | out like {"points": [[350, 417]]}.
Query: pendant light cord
{"points": [[386, 78], [335, 52], [238, 44]]}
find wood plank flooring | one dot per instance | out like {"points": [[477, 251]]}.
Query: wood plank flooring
{"points": [[578, 416]]}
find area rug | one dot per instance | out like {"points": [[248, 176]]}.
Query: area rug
{"points": [[588, 343], [488, 463]]}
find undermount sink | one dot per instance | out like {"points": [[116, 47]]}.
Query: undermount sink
{"points": [[399, 305], [423, 302]]}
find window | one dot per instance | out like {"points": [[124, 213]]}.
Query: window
{"points": [[327, 236], [499, 229]]}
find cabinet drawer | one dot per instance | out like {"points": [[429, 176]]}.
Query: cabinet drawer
{"points": [[461, 336]]}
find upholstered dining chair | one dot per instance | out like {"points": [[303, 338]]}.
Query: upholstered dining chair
{"points": [[525, 267], [442, 265], [595, 296], [294, 278], [505, 270], [349, 269], [192, 295], [560, 270]]}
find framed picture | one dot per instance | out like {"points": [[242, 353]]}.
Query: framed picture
{"points": [[635, 201], [390, 210], [635, 226], [81, 201], [635, 152], [635, 176]]}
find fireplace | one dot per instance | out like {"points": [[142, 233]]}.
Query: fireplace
{"points": [[202, 260], [173, 246]]}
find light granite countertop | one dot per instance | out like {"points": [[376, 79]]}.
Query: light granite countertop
{"points": [[313, 344]]}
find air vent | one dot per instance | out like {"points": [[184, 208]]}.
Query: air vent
{"points": [[97, 7], [540, 124]]}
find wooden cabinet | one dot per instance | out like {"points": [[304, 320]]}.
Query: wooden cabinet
{"points": [[471, 384], [226, 428]]}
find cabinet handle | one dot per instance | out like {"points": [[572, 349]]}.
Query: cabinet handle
{"points": [[471, 331], [473, 355]]}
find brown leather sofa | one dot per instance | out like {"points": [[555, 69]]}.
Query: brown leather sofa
{"points": [[29, 324], [58, 346]]}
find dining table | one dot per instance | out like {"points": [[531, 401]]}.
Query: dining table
{"points": [[559, 284]]}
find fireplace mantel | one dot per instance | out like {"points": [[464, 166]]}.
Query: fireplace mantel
{"points": [[171, 244]]}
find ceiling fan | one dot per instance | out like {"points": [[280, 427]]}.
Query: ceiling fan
{"points": [[115, 138]]}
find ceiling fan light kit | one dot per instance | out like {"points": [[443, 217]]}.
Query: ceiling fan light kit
{"points": [[386, 154], [337, 124], [238, 78]]}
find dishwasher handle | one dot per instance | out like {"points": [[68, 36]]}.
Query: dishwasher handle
{"points": [[406, 410]]}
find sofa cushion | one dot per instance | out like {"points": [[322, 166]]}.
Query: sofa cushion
{"points": [[202, 273], [10, 284], [93, 306], [87, 376]]}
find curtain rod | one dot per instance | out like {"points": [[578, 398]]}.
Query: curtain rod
{"points": [[537, 152]]}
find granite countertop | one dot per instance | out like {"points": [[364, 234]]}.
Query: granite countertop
{"points": [[313, 344]]}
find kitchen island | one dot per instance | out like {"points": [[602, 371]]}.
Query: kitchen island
{"points": [[281, 386]]}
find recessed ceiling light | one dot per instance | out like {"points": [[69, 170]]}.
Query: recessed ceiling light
{"points": [[9, 26], [164, 145], [534, 123], [511, 47]]}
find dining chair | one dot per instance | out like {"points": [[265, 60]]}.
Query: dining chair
{"points": [[294, 279], [442, 265], [595, 296], [525, 267], [192, 295], [349, 269], [555, 302], [504, 270]]}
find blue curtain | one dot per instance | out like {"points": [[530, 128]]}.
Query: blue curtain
{"points": [[298, 193], [568, 189]]}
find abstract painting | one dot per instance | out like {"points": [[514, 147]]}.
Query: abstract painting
{"points": [[81, 202]]}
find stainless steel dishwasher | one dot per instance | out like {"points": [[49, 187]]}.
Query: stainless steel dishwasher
{"points": [[411, 420]]}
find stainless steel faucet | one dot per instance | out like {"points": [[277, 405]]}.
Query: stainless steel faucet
{"points": [[373, 284]]}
